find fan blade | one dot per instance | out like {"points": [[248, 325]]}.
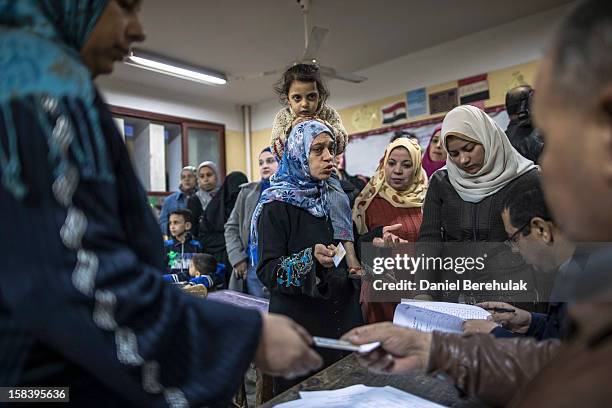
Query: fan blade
{"points": [[317, 35], [345, 76], [245, 77]]}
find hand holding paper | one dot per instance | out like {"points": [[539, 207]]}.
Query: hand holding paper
{"points": [[401, 350], [324, 255], [339, 253], [344, 345]]}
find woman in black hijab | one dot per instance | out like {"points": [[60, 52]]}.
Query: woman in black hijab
{"points": [[212, 225]]}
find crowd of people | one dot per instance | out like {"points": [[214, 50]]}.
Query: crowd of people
{"points": [[96, 264]]}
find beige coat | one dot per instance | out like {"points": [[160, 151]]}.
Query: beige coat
{"points": [[282, 126]]}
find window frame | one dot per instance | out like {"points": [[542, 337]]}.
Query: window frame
{"points": [[185, 124]]}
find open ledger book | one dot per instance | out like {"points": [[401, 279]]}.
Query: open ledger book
{"points": [[439, 316]]}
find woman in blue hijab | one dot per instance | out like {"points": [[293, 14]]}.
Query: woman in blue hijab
{"points": [[82, 300], [292, 233]]}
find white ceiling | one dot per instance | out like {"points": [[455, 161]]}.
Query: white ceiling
{"points": [[245, 37]]}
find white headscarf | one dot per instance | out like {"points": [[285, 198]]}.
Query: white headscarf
{"points": [[502, 163], [206, 196]]}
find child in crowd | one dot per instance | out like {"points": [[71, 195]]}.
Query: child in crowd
{"points": [[181, 247], [203, 270], [302, 90]]}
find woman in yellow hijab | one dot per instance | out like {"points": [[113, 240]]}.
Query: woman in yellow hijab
{"points": [[393, 198]]}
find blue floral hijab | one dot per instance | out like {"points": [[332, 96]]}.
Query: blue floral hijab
{"points": [[41, 71], [292, 183]]}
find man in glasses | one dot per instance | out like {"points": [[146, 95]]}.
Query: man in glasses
{"points": [[532, 233]]}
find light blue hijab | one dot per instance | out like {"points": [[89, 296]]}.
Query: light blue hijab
{"points": [[42, 72]]}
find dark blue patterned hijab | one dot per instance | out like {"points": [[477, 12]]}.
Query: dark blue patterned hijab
{"points": [[41, 70]]}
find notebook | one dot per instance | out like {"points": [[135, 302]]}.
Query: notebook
{"points": [[439, 316]]}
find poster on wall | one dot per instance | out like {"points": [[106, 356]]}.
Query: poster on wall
{"points": [[474, 90], [365, 118], [394, 112], [363, 153], [518, 79], [417, 102], [443, 101]]}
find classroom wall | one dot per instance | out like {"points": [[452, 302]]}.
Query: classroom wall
{"points": [[507, 53], [126, 94], [259, 141], [500, 81], [235, 151], [510, 44], [501, 51]]}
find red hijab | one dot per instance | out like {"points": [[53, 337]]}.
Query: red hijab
{"points": [[429, 165]]}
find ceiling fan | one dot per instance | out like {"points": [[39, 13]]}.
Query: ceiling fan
{"points": [[313, 41]]}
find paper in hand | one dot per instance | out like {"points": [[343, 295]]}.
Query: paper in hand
{"points": [[340, 252], [344, 345]]}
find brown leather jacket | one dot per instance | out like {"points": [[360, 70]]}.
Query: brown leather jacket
{"points": [[522, 372]]}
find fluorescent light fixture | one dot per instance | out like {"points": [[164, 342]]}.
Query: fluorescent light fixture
{"points": [[177, 69]]}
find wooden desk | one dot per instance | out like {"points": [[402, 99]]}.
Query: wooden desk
{"points": [[347, 372]]}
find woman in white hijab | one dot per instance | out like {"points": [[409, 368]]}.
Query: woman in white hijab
{"points": [[209, 182], [466, 198], [490, 166]]}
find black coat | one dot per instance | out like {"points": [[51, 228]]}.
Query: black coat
{"points": [[211, 227], [525, 139], [327, 302], [48, 329], [449, 219]]}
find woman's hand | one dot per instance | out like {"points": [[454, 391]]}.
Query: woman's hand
{"points": [[389, 238], [325, 254], [240, 270]]}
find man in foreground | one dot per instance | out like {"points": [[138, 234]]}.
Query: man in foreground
{"points": [[574, 111]]}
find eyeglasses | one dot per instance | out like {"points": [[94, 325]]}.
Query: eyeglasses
{"points": [[512, 242]]}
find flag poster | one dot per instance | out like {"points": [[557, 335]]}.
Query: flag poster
{"points": [[394, 112], [473, 89]]}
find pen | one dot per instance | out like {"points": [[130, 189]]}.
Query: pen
{"points": [[500, 310]]}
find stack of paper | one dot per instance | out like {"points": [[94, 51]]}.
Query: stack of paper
{"points": [[439, 316], [359, 396]]}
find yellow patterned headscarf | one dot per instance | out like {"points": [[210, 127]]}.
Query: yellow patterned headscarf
{"points": [[412, 197]]}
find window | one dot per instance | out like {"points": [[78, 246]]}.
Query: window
{"points": [[161, 145]]}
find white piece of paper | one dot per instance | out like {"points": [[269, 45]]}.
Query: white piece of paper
{"points": [[359, 396], [439, 316], [344, 345], [340, 252], [351, 390]]}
